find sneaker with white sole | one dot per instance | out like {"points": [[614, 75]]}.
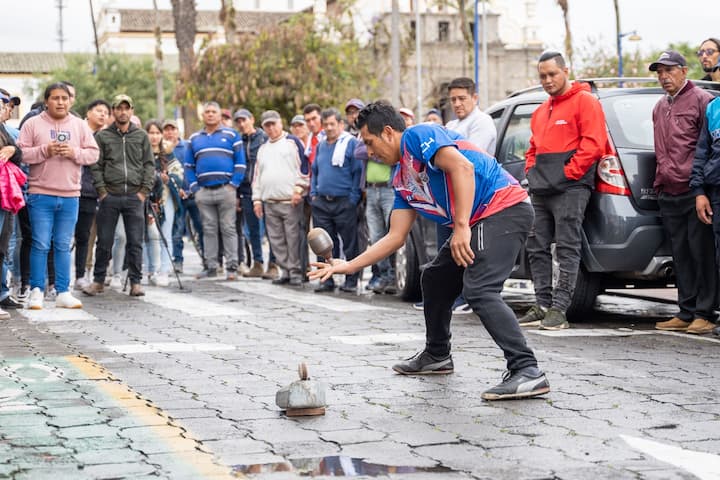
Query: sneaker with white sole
{"points": [[161, 279], [423, 363], [462, 309], [81, 283], [533, 317], [23, 294], [116, 281], [50, 293], [66, 300], [524, 383], [37, 297]]}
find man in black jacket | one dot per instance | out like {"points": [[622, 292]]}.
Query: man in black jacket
{"points": [[123, 177]]}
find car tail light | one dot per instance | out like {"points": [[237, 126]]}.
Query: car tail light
{"points": [[611, 177]]}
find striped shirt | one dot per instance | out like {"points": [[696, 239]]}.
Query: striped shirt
{"points": [[216, 158]]}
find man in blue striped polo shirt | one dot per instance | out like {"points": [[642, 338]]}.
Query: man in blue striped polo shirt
{"points": [[214, 167]]}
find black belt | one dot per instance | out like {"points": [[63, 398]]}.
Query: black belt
{"points": [[215, 187], [377, 184], [331, 198]]}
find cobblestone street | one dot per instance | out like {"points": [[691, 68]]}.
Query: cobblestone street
{"points": [[182, 385]]}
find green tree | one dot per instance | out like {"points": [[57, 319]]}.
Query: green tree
{"points": [[284, 67], [601, 62], [108, 75]]}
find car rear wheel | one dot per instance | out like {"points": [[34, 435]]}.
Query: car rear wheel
{"points": [[407, 272], [587, 288]]}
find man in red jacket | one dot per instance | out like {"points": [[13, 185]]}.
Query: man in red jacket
{"points": [[568, 138]]}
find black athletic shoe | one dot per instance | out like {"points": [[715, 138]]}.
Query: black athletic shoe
{"points": [[422, 363], [10, 302], [518, 384]]}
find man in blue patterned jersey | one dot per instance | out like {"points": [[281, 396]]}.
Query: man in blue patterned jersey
{"points": [[215, 166], [454, 183]]}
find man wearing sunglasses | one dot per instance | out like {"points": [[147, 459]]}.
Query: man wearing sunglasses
{"points": [[709, 55]]}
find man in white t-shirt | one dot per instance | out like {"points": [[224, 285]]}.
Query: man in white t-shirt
{"points": [[472, 123]]}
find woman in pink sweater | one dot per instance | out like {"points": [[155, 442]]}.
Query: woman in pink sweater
{"points": [[56, 145]]}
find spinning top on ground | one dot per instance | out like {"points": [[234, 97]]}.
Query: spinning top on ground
{"points": [[320, 243], [303, 397]]}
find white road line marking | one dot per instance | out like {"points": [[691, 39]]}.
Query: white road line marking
{"points": [[379, 338], [328, 302], [170, 347], [190, 304], [56, 314], [706, 466]]}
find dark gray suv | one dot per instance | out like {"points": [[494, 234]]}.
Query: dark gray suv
{"points": [[623, 242]]}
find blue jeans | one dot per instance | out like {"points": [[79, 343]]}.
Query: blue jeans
{"points": [[380, 200], [7, 226], [52, 219], [252, 223]]}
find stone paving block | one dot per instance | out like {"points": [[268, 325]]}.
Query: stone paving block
{"points": [[185, 413], [146, 419], [386, 453], [211, 428], [155, 446], [240, 414], [356, 435], [421, 434], [232, 452], [250, 458], [54, 473], [280, 429], [22, 420], [142, 433], [120, 470], [686, 431], [88, 431], [176, 467], [117, 455], [306, 449], [92, 443], [77, 420]]}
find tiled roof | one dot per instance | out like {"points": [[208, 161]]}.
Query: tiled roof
{"points": [[143, 20], [31, 62]]}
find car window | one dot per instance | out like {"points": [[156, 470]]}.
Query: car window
{"points": [[629, 118], [497, 118], [516, 140]]}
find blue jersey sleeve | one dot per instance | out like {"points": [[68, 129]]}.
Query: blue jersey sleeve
{"points": [[424, 140]]}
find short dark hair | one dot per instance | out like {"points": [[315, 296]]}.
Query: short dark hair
{"points": [[462, 82], [331, 112], [312, 107], [713, 40], [378, 114], [56, 86], [97, 102], [550, 55]]}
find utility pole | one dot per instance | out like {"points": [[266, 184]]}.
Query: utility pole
{"points": [[159, 71], [418, 59], [61, 38], [395, 54], [92, 17]]}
